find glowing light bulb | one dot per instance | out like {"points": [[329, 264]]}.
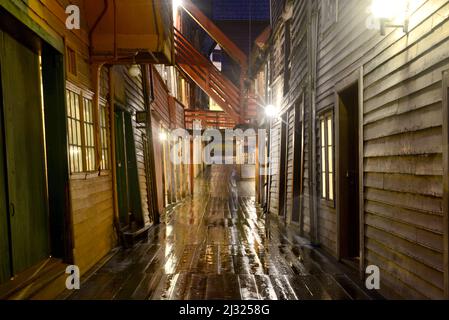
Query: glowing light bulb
{"points": [[134, 71], [163, 136], [389, 9], [271, 111], [177, 4]]}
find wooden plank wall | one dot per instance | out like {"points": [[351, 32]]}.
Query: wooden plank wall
{"points": [[91, 197], [290, 163], [287, 100], [92, 216], [135, 101], [160, 118], [298, 82], [402, 140], [275, 166], [92, 209], [402, 125]]}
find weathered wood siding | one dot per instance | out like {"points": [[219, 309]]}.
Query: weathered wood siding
{"points": [[297, 95], [290, 162], [91, 197], [402, 140], [135, 101], [275, 166], [92, 209], [286, 100]]}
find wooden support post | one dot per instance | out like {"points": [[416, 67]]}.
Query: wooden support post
{"points": [[192, 168], [446, 183], [95, 77]]}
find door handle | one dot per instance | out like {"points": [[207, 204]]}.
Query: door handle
{"points": [[12, 209]]}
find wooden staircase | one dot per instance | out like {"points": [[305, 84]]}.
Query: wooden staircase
{"points": [[202, 71]]}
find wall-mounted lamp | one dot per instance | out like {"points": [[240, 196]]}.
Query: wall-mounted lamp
{"points": [[391, 14], [134, 71]]}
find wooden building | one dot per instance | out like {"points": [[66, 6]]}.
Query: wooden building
{"points": [[366, 114], [82, 111]]}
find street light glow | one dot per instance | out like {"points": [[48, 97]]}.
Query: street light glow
{"points": [[177, 4], [163, 136], [134, 71], [387, 9], [271, 111]]}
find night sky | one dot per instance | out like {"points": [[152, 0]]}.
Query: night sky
{"points": [[255, 10]]}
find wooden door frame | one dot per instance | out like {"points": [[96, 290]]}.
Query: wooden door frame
{"points": [[51, 47], [445, 93], [355, 77]]}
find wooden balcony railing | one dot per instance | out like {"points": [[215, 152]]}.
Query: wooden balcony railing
{"points": [[208, 77], [209, 119]]}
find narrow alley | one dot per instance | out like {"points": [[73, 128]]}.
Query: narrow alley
{"points": [[205, 250], [224, 150]]}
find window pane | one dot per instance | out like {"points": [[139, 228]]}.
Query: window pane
{"points": [[329, 131], [104, 135], [323, 133], [74, 132], [330, 159], [323, 159], [323, 185], [331, 186], [76, 104]]}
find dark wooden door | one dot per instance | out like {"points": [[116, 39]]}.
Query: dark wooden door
{"points": [[283, 165], [24, 153], [121, 163], [135, 204], [129, 199], [5, 265], [349, 173]]}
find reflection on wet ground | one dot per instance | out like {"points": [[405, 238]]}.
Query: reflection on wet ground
{"points": [[204, 250]]}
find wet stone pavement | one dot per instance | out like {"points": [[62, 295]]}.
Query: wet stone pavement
{"points": [[204, 250]]}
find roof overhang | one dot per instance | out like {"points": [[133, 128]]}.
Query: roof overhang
{"points": [[131, 31]]}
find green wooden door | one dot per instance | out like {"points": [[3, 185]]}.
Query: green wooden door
{"points": [[128, 192], [5, 269], [24, 154], [133, 176]]}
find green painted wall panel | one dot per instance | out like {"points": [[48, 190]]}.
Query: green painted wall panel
{"points": [[25, 154], [5, 271]]}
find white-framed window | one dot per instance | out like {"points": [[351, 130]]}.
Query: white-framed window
{"points": [[327, 156], [104, 136], [80, 130]]}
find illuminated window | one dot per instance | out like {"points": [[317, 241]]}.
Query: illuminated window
{"points": [[74, 132], [104, 131], [327, 157], [81, 136], [89, 135]]}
